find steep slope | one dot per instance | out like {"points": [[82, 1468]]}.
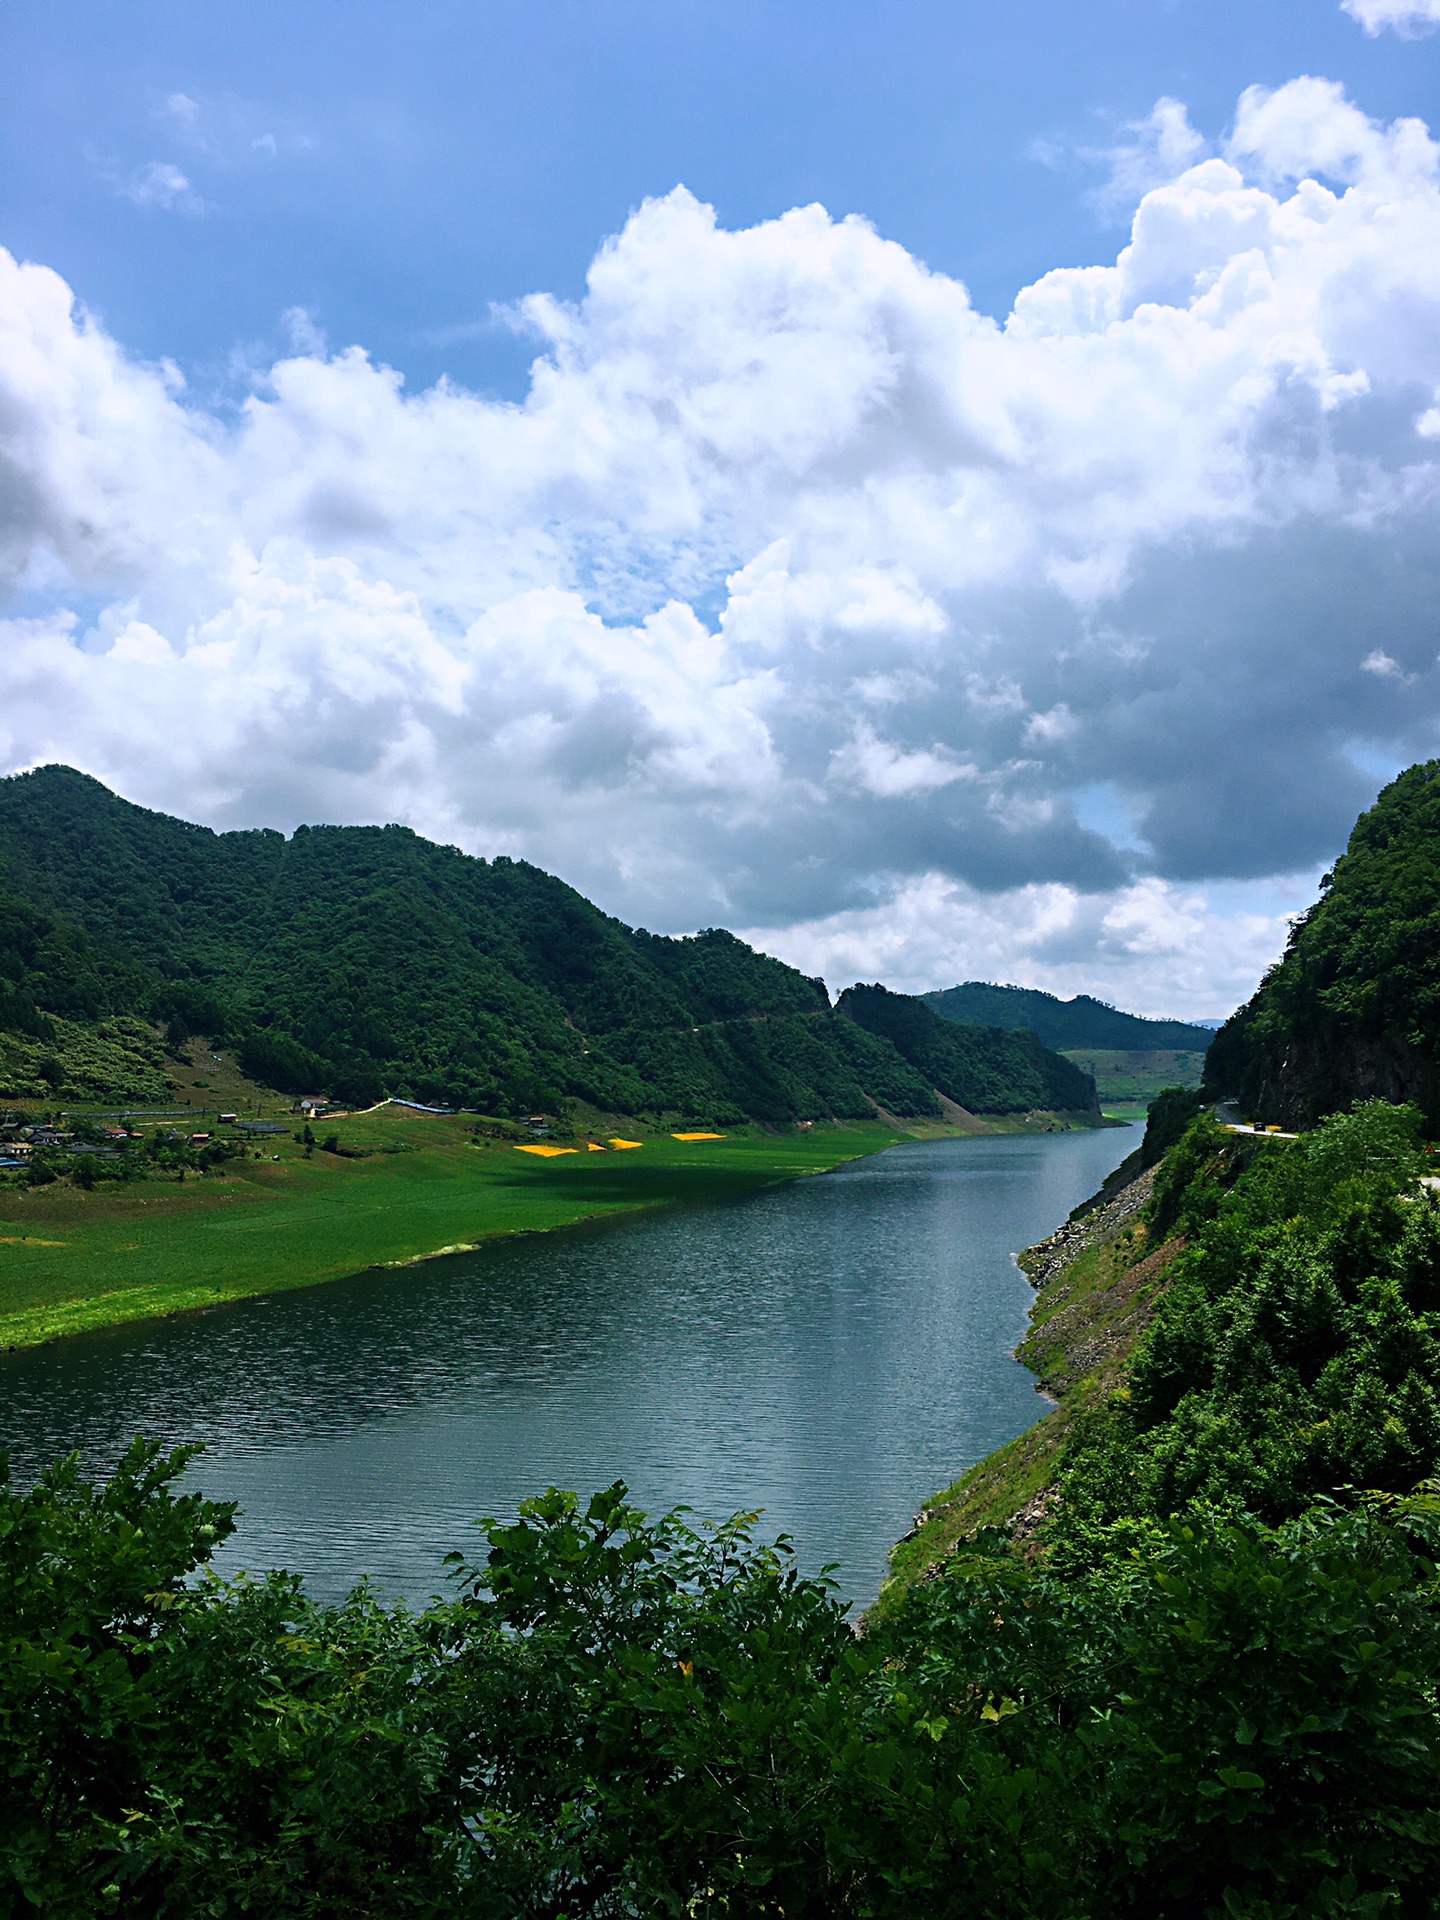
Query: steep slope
{"points": [[985, 1069], [1245, 1324], [1096, 1282], [1353, 1008], [368, 959], [1063, 1024]]}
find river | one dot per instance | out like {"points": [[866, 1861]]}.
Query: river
{"points": [[832, 1350]]}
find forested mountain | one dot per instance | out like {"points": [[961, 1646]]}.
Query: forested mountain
{"points": [[364, 960], [976, 1066], [1081, 1022], [1353, 1008]]}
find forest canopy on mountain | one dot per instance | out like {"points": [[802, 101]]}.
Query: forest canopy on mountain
{"points": [[1353, 1007], [366, 961], [1066, 1025]]}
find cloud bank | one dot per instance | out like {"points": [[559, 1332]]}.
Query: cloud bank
{"points": [[798, 595]]}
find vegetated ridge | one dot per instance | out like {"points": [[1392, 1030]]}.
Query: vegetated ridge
{"points": [[1352, 1010], [1063, 1024], [366, 961], [951, 1057]]}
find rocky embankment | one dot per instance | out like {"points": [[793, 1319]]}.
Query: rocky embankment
{"points": [[1088, 1227], [1095, 1280]]}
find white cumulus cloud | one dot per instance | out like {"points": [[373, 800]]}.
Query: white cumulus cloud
{"points": [[1408, 18], [1159, 950], [797, 594]]}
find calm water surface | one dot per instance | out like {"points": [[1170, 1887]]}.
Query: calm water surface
{"points": [[832, 1351]]}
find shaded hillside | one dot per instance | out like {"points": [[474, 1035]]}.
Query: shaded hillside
{"points": [[1063, 1024], [981, 1068], [368, 960], [1353, 1008]]}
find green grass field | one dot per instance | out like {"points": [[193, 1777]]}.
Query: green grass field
{"points": [[1128, 1081], [71, 1260]]}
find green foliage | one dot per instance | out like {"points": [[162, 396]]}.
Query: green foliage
{"points": [[367, 960], [984, 1069], [1063, 1024], [1169, 1114], [47, 960], [1224, 1719], [1295, 1350], [277, 1060], [172, 1152], [116, 1057], [616, 1715], [87, 1577], [1353, 1008]]}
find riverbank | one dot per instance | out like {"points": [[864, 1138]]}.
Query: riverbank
{"points": [[404, 1187], [1096, 1280]]}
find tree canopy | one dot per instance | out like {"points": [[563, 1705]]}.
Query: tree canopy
{"points": [[1353, 1008], [367, 960], [1081, 1022]]}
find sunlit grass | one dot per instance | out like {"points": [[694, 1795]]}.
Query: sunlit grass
{"points": [[70, 1259]]}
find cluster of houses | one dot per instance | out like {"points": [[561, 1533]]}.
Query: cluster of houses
{"points": [[111, 1136], [18, 1142], [20, 1139]]}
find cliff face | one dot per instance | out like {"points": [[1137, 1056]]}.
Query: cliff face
{"points": [[1352, 1011], [1322, 1069]]}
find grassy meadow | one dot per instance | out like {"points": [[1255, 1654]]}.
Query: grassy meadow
{"points": [[1127, 1081], [71, 1260]]}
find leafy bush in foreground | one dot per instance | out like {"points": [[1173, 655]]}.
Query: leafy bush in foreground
{"points": [[617, 1716]]}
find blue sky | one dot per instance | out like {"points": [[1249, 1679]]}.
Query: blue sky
{"points": [[396, 170], [947, 490]]}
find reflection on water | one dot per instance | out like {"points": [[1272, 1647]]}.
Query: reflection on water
{"points": [[832, 1350]]}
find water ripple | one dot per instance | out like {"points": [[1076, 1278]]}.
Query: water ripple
{"points": [[832, 1350]]}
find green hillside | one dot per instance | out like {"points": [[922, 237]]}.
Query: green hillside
{"points": [[982, 1068], [1063, 1024], [1132, 1077], [367, 960], [1353, 1009]]}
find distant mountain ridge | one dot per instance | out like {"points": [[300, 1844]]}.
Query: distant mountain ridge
{"points": [[988, 1062], [1063, 1024], [1352, 1010], [367, 960]]}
